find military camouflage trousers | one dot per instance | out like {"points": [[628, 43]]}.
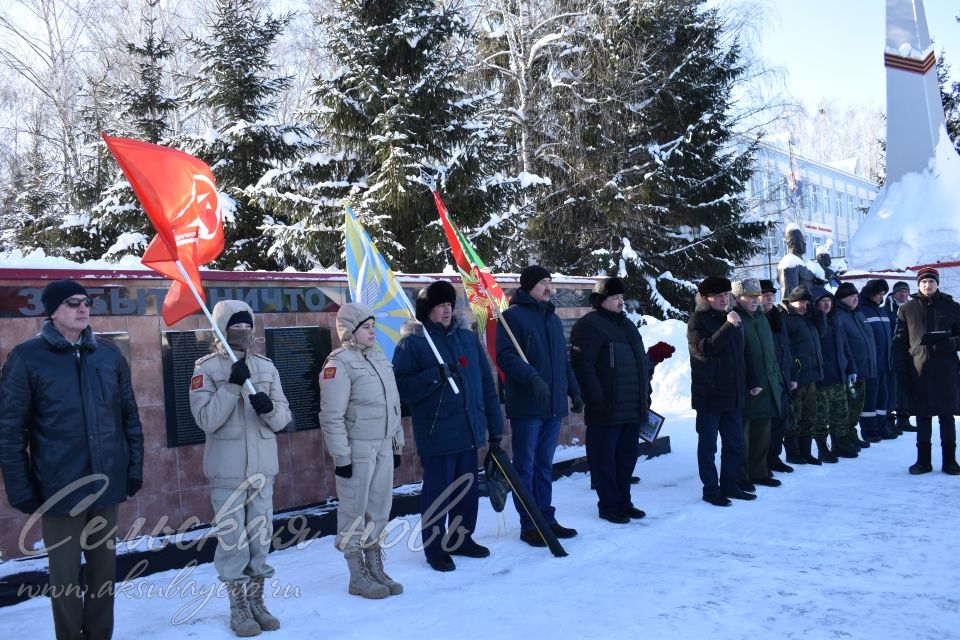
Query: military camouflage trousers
{"points": [[832, 411], [805, 409]]}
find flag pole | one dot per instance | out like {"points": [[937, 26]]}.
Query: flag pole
{"points": [[398, 291], [213, 323], [426, 334], [503, 321]]}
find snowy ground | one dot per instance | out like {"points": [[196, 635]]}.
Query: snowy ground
{"points": [[858, 549]]}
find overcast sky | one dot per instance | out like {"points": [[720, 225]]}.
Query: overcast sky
{"points": [[834, 48]]}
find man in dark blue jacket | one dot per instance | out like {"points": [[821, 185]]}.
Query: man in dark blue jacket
{"points": [[896, 398], [875, 400], [67, 394], [860, 338], [448, 426], [538, 381]]}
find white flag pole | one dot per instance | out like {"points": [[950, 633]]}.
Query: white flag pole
{"points": [[426, 334], [213, 324]]}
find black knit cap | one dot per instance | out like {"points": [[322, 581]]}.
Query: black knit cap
{"points": [[714, 285], [436, 294], [57, 291], [798, 294], [900, 284], [845, 290], [767, 286], [238, 317], [604, 289], [531, 275]]}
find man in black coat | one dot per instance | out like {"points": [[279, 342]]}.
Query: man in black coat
{"points": [[925, 357], [718, 379], [614, 371], [805, 348], [67, 395]]}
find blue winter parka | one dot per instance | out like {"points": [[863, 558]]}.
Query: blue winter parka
{"points": [[539, 332], [445, 422]]}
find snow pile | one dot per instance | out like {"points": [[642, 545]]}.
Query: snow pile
{"points": [[38, 259], [915, 220], [671, 380]]}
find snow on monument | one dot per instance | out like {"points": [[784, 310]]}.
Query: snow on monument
{"points": [[915, 219]]}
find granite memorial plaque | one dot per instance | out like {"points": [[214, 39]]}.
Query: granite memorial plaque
{"points": [[181, 349], [299, 354]]}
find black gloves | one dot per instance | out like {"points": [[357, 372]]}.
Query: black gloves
{"points": [[541, 392], [239, 372], [396, 460], [576, 404], [494, 442], [133, 486], [346, 471], [444, 371], [27, 506], [261, 403]]}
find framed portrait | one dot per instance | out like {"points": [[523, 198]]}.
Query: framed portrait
{"points": [[650, 431]]}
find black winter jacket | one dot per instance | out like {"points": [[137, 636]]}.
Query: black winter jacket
{"points": [[718, 361], [804, 345], [75, 408], [611, 365], [928, 374], [781, 341]]}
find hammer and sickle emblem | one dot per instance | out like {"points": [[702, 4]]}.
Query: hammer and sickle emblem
{"points": [[203, 207]]}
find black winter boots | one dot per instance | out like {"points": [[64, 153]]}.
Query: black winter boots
{"points": [[825, 454], [903, 423], [950, 465], [844, 448], [792, 447], [805, 444], [923, 460]]}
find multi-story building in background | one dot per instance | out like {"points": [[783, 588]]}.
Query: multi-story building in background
{"points": [[827, 201]]}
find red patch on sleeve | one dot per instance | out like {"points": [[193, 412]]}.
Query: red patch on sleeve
{"points": [[329, 372], [196, 382]]}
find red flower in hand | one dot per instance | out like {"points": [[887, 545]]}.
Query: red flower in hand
{"points": [[462, 362], [660, 352]]}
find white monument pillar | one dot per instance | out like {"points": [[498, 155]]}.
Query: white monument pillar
{"points": [[915, 219], [914, 110]]}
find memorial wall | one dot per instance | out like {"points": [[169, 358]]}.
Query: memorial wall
{"points": [[295, 318]]}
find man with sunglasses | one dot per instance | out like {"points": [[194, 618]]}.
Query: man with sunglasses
{"points": [[66, 394]]}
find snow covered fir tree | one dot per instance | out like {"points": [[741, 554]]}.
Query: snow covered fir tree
{"points": [[146, 107], [657, 192], [588, 135], [237, 87], [400, 117]]}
